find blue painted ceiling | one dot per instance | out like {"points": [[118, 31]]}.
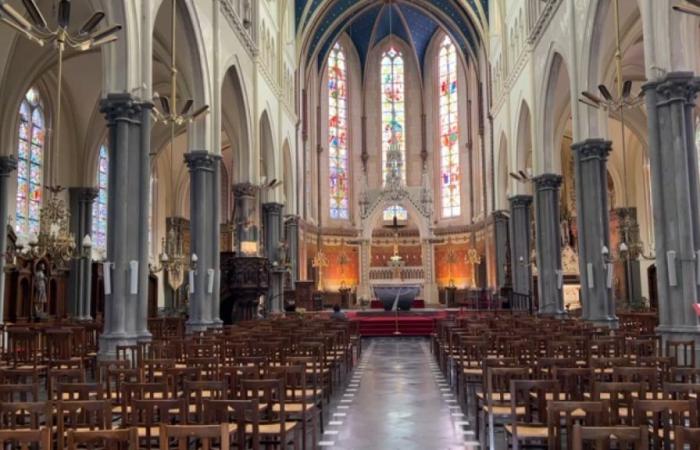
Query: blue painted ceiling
{"points": [[370, 22]]}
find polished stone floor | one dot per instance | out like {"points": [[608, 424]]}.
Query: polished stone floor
{"points": [[397, 399]]}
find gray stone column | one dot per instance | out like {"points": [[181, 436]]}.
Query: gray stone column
{"points": [[244, 197], [501, 241], [520, 223], [127, 224], [216, 244], [202, 165], [144, 202], [79, 292], [548, 232], [365, 288], [628, 229], [291, 233], [272, 226], [8, 164], [591, 175], [674, 187]]}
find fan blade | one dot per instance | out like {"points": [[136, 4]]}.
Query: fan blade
{"points": [[687, 9], [104, 40], [187, 107], [523, 174], [516, 176], [64, 13], [626, 88], [585, 101], [14, 15], [199, 112], [694, 2], [103, 34], [592, 97], [89, 26], [605, 92], [165, 104], [34, 13]]}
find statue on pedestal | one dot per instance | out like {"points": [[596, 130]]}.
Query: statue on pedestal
{"points": [[40, 299]]}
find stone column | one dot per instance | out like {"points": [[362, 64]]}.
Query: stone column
{"points": [[202, 165], [500, 235], [8, 164], [127, 224], [291, 232], [215, 187], [272, 225], [365, 289], [591, 176], [144, 201], [430, 289], [628, 229], [244, 214], [548, 232], [520, 223], [674, 186], [79, 291]]}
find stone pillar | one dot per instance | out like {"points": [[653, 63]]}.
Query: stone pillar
{"points": [[628, 229], [365, 289], [501, 241], [291, 233], [520, 223], [674, 186], [144, 202], [548, 232], [127, 224], [430, 290], [591, 176], [79, 291], [272, 225], [244, 214], [202, 165], [216, 244], [8, 164]]}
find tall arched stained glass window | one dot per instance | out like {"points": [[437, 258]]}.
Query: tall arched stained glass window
{"points": [[393, 118], [338, 133], [30, 155], [99, 207], [449, 130]]}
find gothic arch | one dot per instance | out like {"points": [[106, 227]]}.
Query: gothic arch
{"points": [[377, 213], [268, 166], [523, 146], [556, 110], [235, 122], [502, 174]]}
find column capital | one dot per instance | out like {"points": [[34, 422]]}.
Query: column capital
{"points": [[245, 189], [292, 220], [675, 86], [592, 148], [520, 201], [547, 181], [201, 160], [84, 194], [273, 207], [121, 106], [8, 164]]}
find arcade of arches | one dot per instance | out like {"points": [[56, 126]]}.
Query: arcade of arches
{"points": [[212, 162]]}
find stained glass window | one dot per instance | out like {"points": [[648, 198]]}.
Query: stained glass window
{"points": [[99, 207], [393, 117], [449, 130], [30, 156], [338, 133]]}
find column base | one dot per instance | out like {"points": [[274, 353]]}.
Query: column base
{"points": [[197, 325], [144, 336], [110, 342], [610, 322], [680, 333]]}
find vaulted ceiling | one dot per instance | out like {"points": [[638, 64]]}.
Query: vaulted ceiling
{"points": [[367, 22]]}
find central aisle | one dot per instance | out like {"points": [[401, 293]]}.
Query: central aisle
{"points": [[397, 399]]}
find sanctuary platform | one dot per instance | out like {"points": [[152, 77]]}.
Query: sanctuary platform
{"points": [[377, 322]]}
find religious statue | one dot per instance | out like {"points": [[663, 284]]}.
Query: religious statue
{"points": [[40, 299], [281, 253]]}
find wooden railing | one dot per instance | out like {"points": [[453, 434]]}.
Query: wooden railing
{"points": [[388, 273]]}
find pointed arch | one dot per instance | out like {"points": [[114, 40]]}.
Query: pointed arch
{"points": [[268, 167], [524, 144], [556, 113]]}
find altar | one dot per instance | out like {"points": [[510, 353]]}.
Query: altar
{"points": [[399, 293]]}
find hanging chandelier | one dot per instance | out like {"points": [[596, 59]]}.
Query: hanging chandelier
{"points": [[54, 240]]}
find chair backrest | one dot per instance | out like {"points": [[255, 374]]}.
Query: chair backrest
{"points": [[19, 375], [663, 415], [38, 439], [625, 437], [232, 375], [80, 391], [685, 436], [533, 396], [684, 375], [125, 439], [647, 375], [84, 415], [149, 414], [19, 392], [587, 413], [683, 352], [575, 382], [498, 382], [268, 393], [198, 391], [622, 396], [25, 415], [203, 437], [58, 376], [243, 414]]}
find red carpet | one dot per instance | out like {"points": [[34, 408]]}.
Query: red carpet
{"points": [[384, 324]]}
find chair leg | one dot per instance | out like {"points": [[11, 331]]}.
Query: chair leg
{"points": [[492, 437]]}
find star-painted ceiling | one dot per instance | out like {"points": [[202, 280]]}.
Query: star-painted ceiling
{"points": [[367, 22]]}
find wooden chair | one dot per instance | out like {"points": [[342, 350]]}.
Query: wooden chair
{"points": [[621, 396], [636, 438], [575, 382], [126, 439], [528, 400], [198, 391], [650, 376], [57, 376], [242, 417], [25, 415], [147, 415], [685, 436], [570, 413], [683, 352], [275, 429], [80, 391], [300, 401], [662, 416], [497, 397], [39, 439], [83, 415], [684, 375], [204, 437], [19, 392]]}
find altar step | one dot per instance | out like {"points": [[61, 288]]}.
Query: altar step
{"points": [[386, 326]]}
